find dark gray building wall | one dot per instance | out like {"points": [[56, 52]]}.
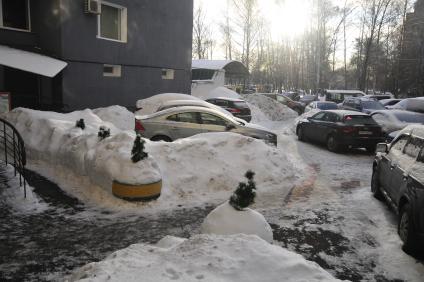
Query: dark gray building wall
{"points": [[159, 36]]}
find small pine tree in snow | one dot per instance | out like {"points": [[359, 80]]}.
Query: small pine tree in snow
{"points": [[104, 132], [245, 193], [138, 153], [80, 123]]}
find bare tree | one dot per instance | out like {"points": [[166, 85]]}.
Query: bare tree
{"points": [[201, 34]]}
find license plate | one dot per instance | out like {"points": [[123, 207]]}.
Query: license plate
{"points": [[365, 132]]}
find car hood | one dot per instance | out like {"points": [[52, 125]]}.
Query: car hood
{"points": [[255, 126]]}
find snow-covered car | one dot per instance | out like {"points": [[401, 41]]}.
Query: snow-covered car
{"points": [[394, 120], [361, 104], [398, 177], [410, 104], [321, 105], [298, 107], [150, 105], [389, 102], [182, 122]]}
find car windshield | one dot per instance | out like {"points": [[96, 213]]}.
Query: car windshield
{"points": [[372, 105], [327, 106], [359, 119]]}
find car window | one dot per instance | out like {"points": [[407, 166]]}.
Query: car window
{"points": [[221, 103], [413, 147], [188, 117], [372, 105], [359, 119], [212, 119], [240, 104], [330, 117], [319, 116], [397, 148]]}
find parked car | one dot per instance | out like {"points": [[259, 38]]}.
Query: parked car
{"points": [[292, 95], [338, 96], [398, 177], [394, 120], [360, 104], [307, 99], [379, 96], [181, 122], [340, 129], [318, 105], [410, 104], [237, 107], [298, 107], [389, 102]]}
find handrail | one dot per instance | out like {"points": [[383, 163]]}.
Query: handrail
{"points": [[12, 148]]}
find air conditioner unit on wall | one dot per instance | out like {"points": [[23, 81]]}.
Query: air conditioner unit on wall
{"points": [[93, 7]]}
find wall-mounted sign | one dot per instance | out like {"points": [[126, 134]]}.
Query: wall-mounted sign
{"points": [[5, 103]]}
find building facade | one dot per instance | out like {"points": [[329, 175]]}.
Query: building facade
{"points": [[411, 62], [117, 53]]}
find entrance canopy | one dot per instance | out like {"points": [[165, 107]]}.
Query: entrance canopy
{"points": [[30, 62], [232, 68]]}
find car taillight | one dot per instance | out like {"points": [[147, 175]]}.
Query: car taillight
{"points": [[138, 126], [234, 111], [348, 129]]}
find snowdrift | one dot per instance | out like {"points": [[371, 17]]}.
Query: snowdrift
{"points": [[205, 168], [204, 258], [265, 108], [53, 138]]}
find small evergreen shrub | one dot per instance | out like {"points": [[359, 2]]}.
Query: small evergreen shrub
{"points": [[80, 123], [245, 193], [104, 132], [138, 153]]}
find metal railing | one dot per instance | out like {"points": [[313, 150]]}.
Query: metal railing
{"points": [[12, 149]]}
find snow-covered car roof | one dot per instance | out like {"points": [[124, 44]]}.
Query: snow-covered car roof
{"points": [[346, 92]]}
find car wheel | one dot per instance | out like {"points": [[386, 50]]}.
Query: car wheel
{"points": [[375, 186], [406, 229], [300, 134], [161, 138], [332, 144]]}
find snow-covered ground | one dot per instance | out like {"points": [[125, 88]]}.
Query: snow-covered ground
{"points": [[204, 258]]}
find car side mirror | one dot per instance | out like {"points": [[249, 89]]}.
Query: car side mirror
{"points": [[229, 127], [382, 148], [310, 118]]}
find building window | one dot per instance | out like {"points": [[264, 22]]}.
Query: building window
{"points": [[112, 70], [112, 22], [167, 74], [14, 14]]}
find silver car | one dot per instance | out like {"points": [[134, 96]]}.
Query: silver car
{"points": [[182, 122]]}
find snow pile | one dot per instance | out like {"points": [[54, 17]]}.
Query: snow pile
{"points": [[225, 220], [223, 92], [271, 109], [204, 258], [117, 115], [53, 138], [150, 105]]}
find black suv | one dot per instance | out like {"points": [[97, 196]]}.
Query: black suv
{"points": [[364, 105], [237, 107], [398, 177]]}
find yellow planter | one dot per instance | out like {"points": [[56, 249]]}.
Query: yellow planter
{"points": [[142, 192]]}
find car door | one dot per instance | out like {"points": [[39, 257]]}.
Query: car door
{"points": [[312, 127], [184, 125], [212, 123], [401, 169], [390, 160]]}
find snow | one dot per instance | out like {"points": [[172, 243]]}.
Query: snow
{"points": [[117, 115], [150, 105], [205, 168], [225, 220], [53, 138], [222, 92], [211, 64], [204, 258], [264, 108]]}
